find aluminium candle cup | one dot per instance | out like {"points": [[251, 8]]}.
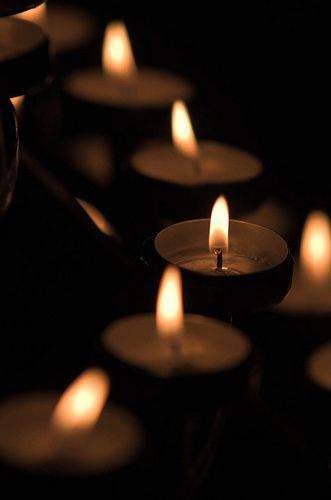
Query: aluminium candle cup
{"points": [[211, 366], [178, 400], [24, 57], [30, 452], [8, 153], [128, 115], [10, 7], [259, 257]]}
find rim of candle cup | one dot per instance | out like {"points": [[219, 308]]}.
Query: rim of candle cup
{"points": [[167, 239], [11, 7], [114, 332], [40, 405], [16, 77]]}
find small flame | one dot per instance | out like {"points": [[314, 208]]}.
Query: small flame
{"points": [[182, 132], [81, 404], [117, 56], [97, 217], [17, 102], [38, 15], [219, 226], [315, 252], [169, 308]]}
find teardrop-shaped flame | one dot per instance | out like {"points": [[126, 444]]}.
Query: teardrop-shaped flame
{"points": [[117, 56], [315, 251], [219, 226], [182, 132], [82, 403], [169, 308]]}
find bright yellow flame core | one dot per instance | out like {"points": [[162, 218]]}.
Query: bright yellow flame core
{"points": [[219, 226], [315, 252], [117, 56], [169, 308], [81, 404], [36, 15], [182, 132]]}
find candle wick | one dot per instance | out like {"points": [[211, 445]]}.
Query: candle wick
{"points": [[219, 259]]}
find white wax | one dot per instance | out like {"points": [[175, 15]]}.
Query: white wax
{"points": [[252, 248], [69, 27], [232, 264], [18, 38], [149, 88], [28, 442], [91, 155], [319, 366], [305, 297], [217, 164], [206, 346]]}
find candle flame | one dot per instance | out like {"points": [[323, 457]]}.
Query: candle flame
{"points": [[169, 308], [182, 132], [219, 226], [315, 251], [81, 404], [17, 102], [37, 15], [117, 56], [97, 217]]}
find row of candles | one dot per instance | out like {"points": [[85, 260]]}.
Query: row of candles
{"points": [[67, 438]]}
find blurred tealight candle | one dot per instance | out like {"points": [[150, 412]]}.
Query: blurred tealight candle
{"points": [[120, 83], [311, 290], [171, 343], [76, 435], [188, 162]]}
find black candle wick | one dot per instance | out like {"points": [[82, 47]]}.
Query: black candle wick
{"points": [[219, 256]]}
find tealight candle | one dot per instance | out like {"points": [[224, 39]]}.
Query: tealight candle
{"points": [[244, 266], [311, 290], [120, 82], [190, 163], [73, 436], [172, 344]]}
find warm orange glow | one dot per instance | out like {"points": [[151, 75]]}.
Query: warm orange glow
{"points": [[17, 102], [219, 226], [81, 404], [117, 56], [37, 15], [169, 308], [99, 220], [182, 132], [315, 252]]}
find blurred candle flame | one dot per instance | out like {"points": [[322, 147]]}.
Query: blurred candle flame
{"points": [[182, 132], [37, 15], [117, 55], [82, 403], [97, 217], [219, 226], [17, 103], [315, 251], [169, 308]]}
